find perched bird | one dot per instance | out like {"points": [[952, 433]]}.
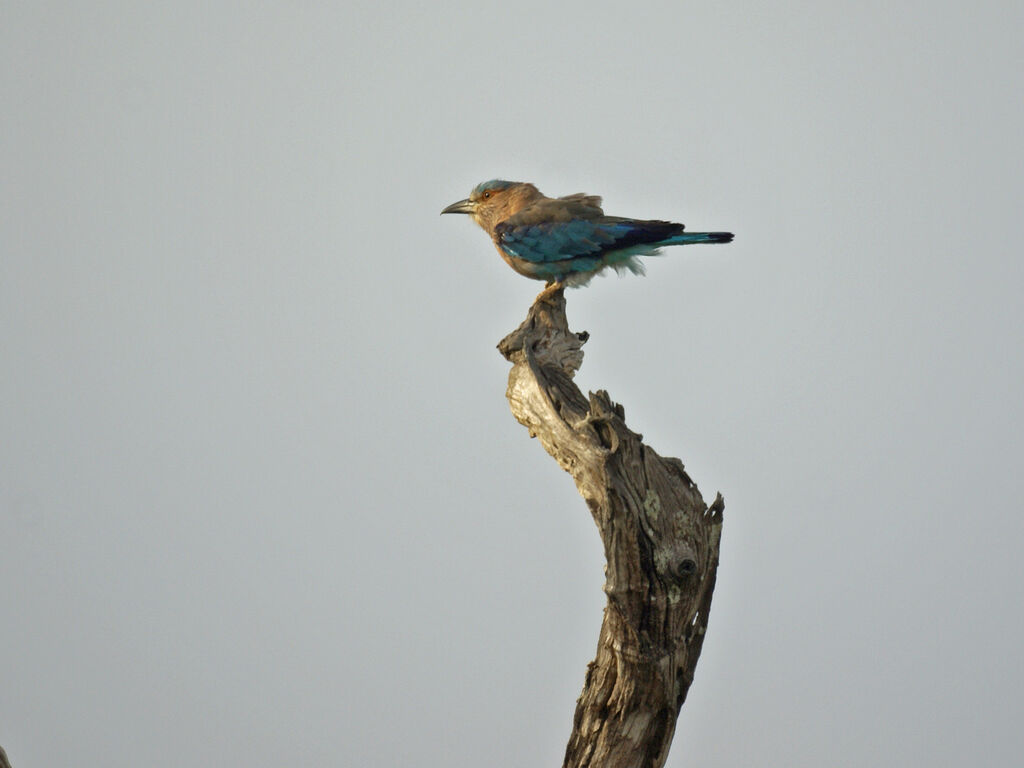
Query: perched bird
{"points": [[567, 240]]}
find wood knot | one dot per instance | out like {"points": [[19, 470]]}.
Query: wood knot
{"points": [[686, 568], [677, 563]]}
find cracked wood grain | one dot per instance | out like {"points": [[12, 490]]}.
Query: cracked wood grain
{"points": [[661, 544]]}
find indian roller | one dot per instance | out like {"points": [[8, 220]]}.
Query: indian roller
{"points": [[567, 240]]}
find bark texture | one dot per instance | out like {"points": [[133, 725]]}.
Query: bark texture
{"points": [[660, 540]]}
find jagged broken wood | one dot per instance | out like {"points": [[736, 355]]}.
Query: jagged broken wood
{"points": [[660, 539]]}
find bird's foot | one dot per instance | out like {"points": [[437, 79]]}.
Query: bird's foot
{"points": [[551, 294]]}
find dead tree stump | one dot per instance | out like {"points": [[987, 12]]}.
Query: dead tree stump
{"points": [[660, 542]]}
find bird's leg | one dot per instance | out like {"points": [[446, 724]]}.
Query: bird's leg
{"points": [[551, 290]]}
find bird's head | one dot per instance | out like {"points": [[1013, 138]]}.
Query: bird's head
{"points": [[494, 201]]}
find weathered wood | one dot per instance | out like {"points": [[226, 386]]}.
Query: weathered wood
{"points": [[660, 540]]}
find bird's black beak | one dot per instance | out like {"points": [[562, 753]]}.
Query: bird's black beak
{"points": [[463, 206]]}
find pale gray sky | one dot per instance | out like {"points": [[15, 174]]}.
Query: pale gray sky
{"points": [[262, 501]]}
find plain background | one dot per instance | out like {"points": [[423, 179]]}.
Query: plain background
{"points": [[262, 502]]}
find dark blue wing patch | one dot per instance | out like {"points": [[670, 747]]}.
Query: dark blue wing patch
{"points": [[557, 241]]}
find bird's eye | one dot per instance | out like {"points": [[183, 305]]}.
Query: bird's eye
{"points": [[487, 194]]}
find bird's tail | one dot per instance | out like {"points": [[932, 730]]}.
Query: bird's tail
{"points": [[684, 238]]}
